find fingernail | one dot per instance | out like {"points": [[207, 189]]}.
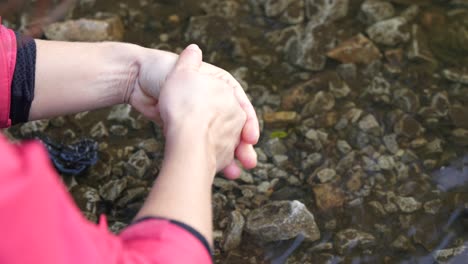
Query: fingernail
{"points": [[193, 47]]}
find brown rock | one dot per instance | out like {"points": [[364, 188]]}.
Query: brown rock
{"points": [[357, 49], [328, 196], [90, 30], [408, 126], [275, 119], [294, 97]]}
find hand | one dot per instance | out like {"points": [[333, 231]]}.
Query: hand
{"points": [[191, 98], [155, 66]]}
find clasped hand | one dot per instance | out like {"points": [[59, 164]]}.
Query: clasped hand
{"points": [[194, 91]]}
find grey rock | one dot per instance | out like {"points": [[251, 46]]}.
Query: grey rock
{"points": [[376, 10], [391, 143], [369, 164], [86, 197], [306, 48], [326, 175], [263, 187], [433, 206], [279, 160], [138, 163], [406, 100], [99, 130], [200, 28], [402, 243], [369, 124], [261, 156], [339, 89], [121, 113], [348, 239], [343, 146], [275, 146], [377, 208], [282, 220], [451, 255], [119, 130], [322, 101], [312, 160], [347, 71], [233, 235], [325, 11], [386, 162], [274, 8], [150, 146], [287, 11], [456, 75], [346, 162], [407, 204], [379, 89], [111, 190], [33, 127], [89, 30], [117, 227], [389, 32], [132, 195]]}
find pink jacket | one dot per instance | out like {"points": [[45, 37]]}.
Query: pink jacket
{"points": [[39, 223]]}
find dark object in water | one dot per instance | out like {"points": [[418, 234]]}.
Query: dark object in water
{"points": [[72, 159]]}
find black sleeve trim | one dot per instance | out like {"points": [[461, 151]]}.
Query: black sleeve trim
{"points": [[22, 86], [184, 226]]}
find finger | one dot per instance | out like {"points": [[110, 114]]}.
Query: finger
{"points": [[191, 58], [251, 130], [246, 154], [232, 171]]}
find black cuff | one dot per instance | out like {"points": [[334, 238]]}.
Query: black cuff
{"points": [[189, 229], [22, 86]]}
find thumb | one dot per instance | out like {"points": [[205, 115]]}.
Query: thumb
{"points": [[190, 58]]}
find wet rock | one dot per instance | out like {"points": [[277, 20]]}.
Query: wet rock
{"points": [[346, 162], [322, 101], [451, 255], [456, 75], [339, 89], [354, 183], [278, 119], [460, 136], [326, 11], [86, 197], [349, 239], [377, 208], [306, 49], [279, 160], [89, 30], [328, 196], [233, 235], [369, 124], [433, 206], [326, 175], [293, 97], [34, 127], [343, 146], [357, 49], [347, 71], [419, 48], [389, 32], [391, 143], [459, 115], [287, 11], [99, 130], [406, 100], [138, 163], [402, 243], [386, 162], [150, 146], [408, 126], [376, 10], [200, 30], [282, 220], [117, 227], [121, 113], [312, 160], [379, 89], [119, 130], [369, 164], [275, 146], [407, 204], [132, 195], [112, 189]]}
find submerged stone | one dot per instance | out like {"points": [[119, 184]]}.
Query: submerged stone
{"points": [[350, 239], [233, 236], [389, 32], [357, 49], [90, 30]]}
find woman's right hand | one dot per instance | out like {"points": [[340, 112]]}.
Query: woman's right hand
{"points": [[192, 98]]}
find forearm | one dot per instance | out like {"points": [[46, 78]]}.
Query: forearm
{"points": [[75, 77], [182, 190]]}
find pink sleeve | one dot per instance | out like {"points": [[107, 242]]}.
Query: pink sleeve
{"points": [[39, 222], [7, 68]]}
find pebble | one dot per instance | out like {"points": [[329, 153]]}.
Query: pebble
{"points": [[407, 204], [233, 234], [88, 30], [138, 164], [328, 196], [34, 127], [349, 239], [389, 32], [111, 190], [376, 10], [99, 130], [433, 206], [278, 119], [369, 124], [291, 217], [326, 175], [357, 49], [343, 146]]}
